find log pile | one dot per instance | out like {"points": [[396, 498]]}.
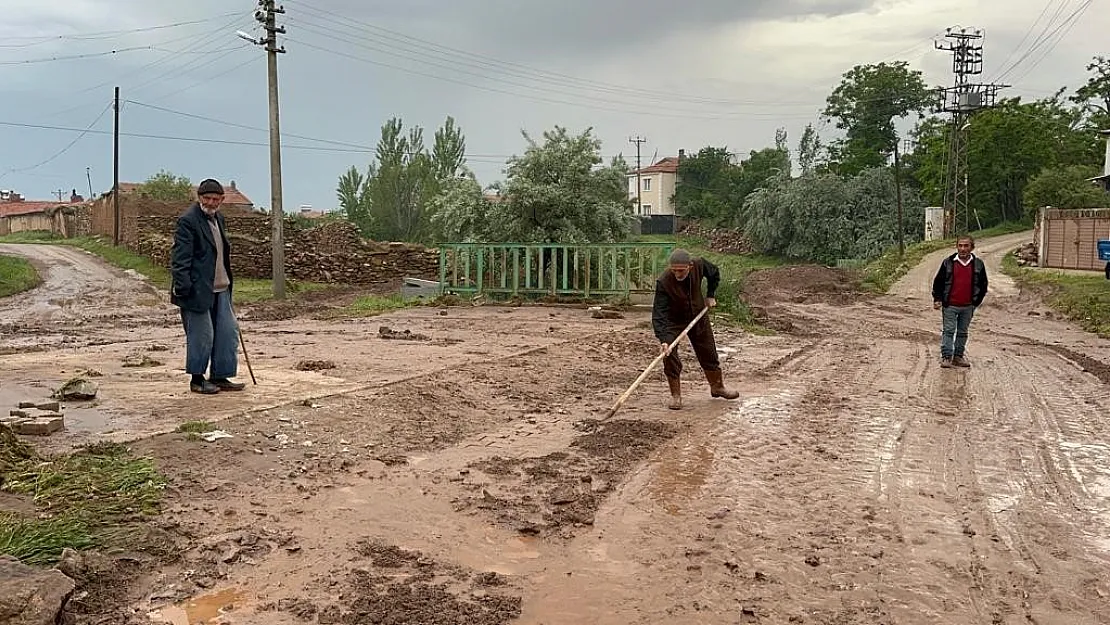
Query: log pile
{"points": [[722, 240], [1027, 255], [332, 253]]}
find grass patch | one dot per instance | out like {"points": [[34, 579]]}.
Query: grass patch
{"points": [[735, 268], [16, 275], [247, 290], [370, 305], [84, 500], [1081, 298], [881, 273], [195, 427]]}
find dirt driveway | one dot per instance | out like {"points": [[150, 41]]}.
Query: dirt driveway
{"points": [[459, 473]]}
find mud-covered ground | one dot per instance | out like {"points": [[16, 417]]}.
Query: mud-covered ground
{"points": [[453, 465]]}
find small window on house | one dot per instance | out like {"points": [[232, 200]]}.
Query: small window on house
{"points": [[645, 209], [647, 184]]}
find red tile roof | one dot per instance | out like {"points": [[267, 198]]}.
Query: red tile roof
{"points": [[232, 195], [668, 165], [11, 209]]}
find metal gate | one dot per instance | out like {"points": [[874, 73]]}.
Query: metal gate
{"points": [[563, 270]]}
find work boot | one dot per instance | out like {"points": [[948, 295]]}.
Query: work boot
{"points": [[717, 385], [225, 384], [204, 387], [676, 393], [945, 363], [960, 361]]}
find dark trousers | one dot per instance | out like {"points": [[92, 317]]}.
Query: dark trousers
{"points": [[705, 348]]}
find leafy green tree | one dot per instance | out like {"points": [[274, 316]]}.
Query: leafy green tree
{"points": [[167, 187], [460, 213], [1065, 187], [825, 217], [865, 104], [711, 188], [354, 200], [393, 200], [1094, 96], [810, 150]]}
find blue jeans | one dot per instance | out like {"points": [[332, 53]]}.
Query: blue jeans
{"points": [[212, 337], [955, 320]]}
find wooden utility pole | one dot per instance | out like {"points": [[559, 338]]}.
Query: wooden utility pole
{"points": [[639, 183], [115, 172], [898, 191]]}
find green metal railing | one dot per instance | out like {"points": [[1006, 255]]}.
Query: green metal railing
{"points": [[568, 270]]}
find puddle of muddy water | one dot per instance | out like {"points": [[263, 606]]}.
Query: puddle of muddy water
{"points": [[78, 419], [200, 610]]}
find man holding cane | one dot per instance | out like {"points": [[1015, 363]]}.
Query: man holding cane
{"points": [[678, 300], [200, 266]]}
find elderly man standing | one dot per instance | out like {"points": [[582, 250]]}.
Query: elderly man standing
{"points": [[200, 266], [678, 299]]}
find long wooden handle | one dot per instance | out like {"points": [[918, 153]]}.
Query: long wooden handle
{"points": [[624, 397]]}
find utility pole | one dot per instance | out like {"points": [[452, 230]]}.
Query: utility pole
{"points": [[267, 16], [639, 184], [60, 194], [962, 100], [88, 175], [898, 192], [115, 172]]}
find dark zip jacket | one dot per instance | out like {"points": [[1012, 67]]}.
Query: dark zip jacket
{"points": [[193, 260]]}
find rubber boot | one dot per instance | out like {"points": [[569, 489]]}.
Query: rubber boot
{"points": [[676, 393], [717, 386]]}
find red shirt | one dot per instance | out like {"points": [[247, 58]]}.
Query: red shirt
{"points": [[963, 277]]}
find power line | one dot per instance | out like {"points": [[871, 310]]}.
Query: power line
{"points": [[106, 34], [539, 98], [1044, 38], [1070, 23], [81, 135], [72, 57]]}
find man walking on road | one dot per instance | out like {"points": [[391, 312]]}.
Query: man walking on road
{"points": [[678, 299], [200, 265], [958, 289]]}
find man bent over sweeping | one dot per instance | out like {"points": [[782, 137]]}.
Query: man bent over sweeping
{"points": [[678, 299]]}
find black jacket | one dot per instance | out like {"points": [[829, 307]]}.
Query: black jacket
{"points": [[678, 302], [193, 260], [942, 283]]}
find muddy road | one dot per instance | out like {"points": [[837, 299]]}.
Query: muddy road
{"points": [[463, 476]]}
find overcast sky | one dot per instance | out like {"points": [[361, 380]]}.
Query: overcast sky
{"points": [[682, 75]]}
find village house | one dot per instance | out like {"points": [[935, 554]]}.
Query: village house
{"points": [[651, 190], [233, 197], [18, 214]]}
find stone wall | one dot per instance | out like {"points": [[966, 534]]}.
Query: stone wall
{"points": [[332, 252]]}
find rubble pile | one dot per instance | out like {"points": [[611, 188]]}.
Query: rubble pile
{"points": [[333, 252], [1027, 255], [35, 418], [723, 240]]}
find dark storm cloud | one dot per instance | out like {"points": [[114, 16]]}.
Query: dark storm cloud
{"points": [[579, 27]]}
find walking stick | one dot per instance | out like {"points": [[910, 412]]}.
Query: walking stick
{"points": [[658, 359], [243, 344], [246, 356]]}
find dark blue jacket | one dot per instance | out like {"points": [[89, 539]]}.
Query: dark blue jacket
{"points": [[942, 283], [193, 260]]}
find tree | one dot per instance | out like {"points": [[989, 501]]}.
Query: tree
{"points": [[354, 199], [393, 200], [1094, 96], [1007, 146], [167, 187], [712, 189], [825, 217], [460, 212], [809, 150], [1065, 187], [865, 105]]}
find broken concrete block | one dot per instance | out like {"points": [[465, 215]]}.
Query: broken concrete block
{"points": [[41, 426], [26, 404], [19, 413], [30, 596], [52, 406]]}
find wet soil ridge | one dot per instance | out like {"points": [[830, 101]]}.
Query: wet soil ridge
{"points": [[557, 494], [385, 583]]}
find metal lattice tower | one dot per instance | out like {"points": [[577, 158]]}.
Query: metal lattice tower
{"points": [[962, 100]]}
